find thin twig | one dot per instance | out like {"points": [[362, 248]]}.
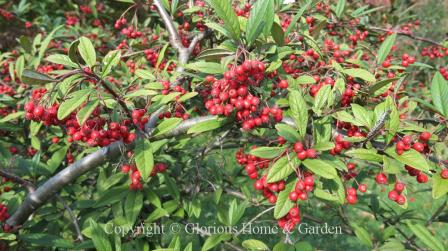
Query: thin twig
{"points": [[406, 34]]}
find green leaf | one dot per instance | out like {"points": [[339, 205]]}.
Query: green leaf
{"points": [[132, 206], [325, 195], [411, 158], [324, 146], [44, 45], [439, 186], [254, 245], [392, 166], [12, 116], [365, 154], [20, 65], [363, 235], [346, 117], [213, 54], [340, 8], [71, 104], [187, 96], [299, 111], [111, 60], [224, 10], [296, 18], [86, 111], [321, 168], [144, 158], [87, 51], [385, 48], [261, 18], [214, 240], [61, 59], [362, 115], [157, 214], [321, 99], [426, 237], [439, 93], [284, 204], [267, 152], [204, 126], [56, 159], [161, 55], [167, 125], [205, 67], [140, 93], [46, 240], [35, 78], [280, 170], [305, 79], [287, 132], [378, 87], [360, 73], [99, 237], [144, 74], [111, 196]]}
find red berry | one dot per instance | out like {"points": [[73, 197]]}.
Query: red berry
{"points": [[393, 195], [425, 136], [399, 187], [283, 84], [401, 200], [422, 178], [381, 178], [293, 196], [362, 188], [351, 199], [302, 155], [419, 147], [351, 191], [444, 173], [298, 147], [294, 212], [311, 153]]}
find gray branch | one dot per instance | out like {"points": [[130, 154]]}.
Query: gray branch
{"points": [[175, 40]]}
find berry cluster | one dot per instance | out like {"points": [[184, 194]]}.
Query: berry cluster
{"points": [[405, 143], [152, 57], [302, 188], [340, 145], [136, 176], [289, 221], [131, 32], [444, 73], [269, 188], [92, 132], [420, 177], [4, 215], [252, 163], [407, 60], [232, 93], [433, 52], [351, 196], [303, 153], [245, 11], [119, 23], [397, 193]]}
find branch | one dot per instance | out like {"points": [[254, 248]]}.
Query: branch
{"points": [[36, 199], [27, 184], [406, 34], [175, 40], [31, 188]]}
